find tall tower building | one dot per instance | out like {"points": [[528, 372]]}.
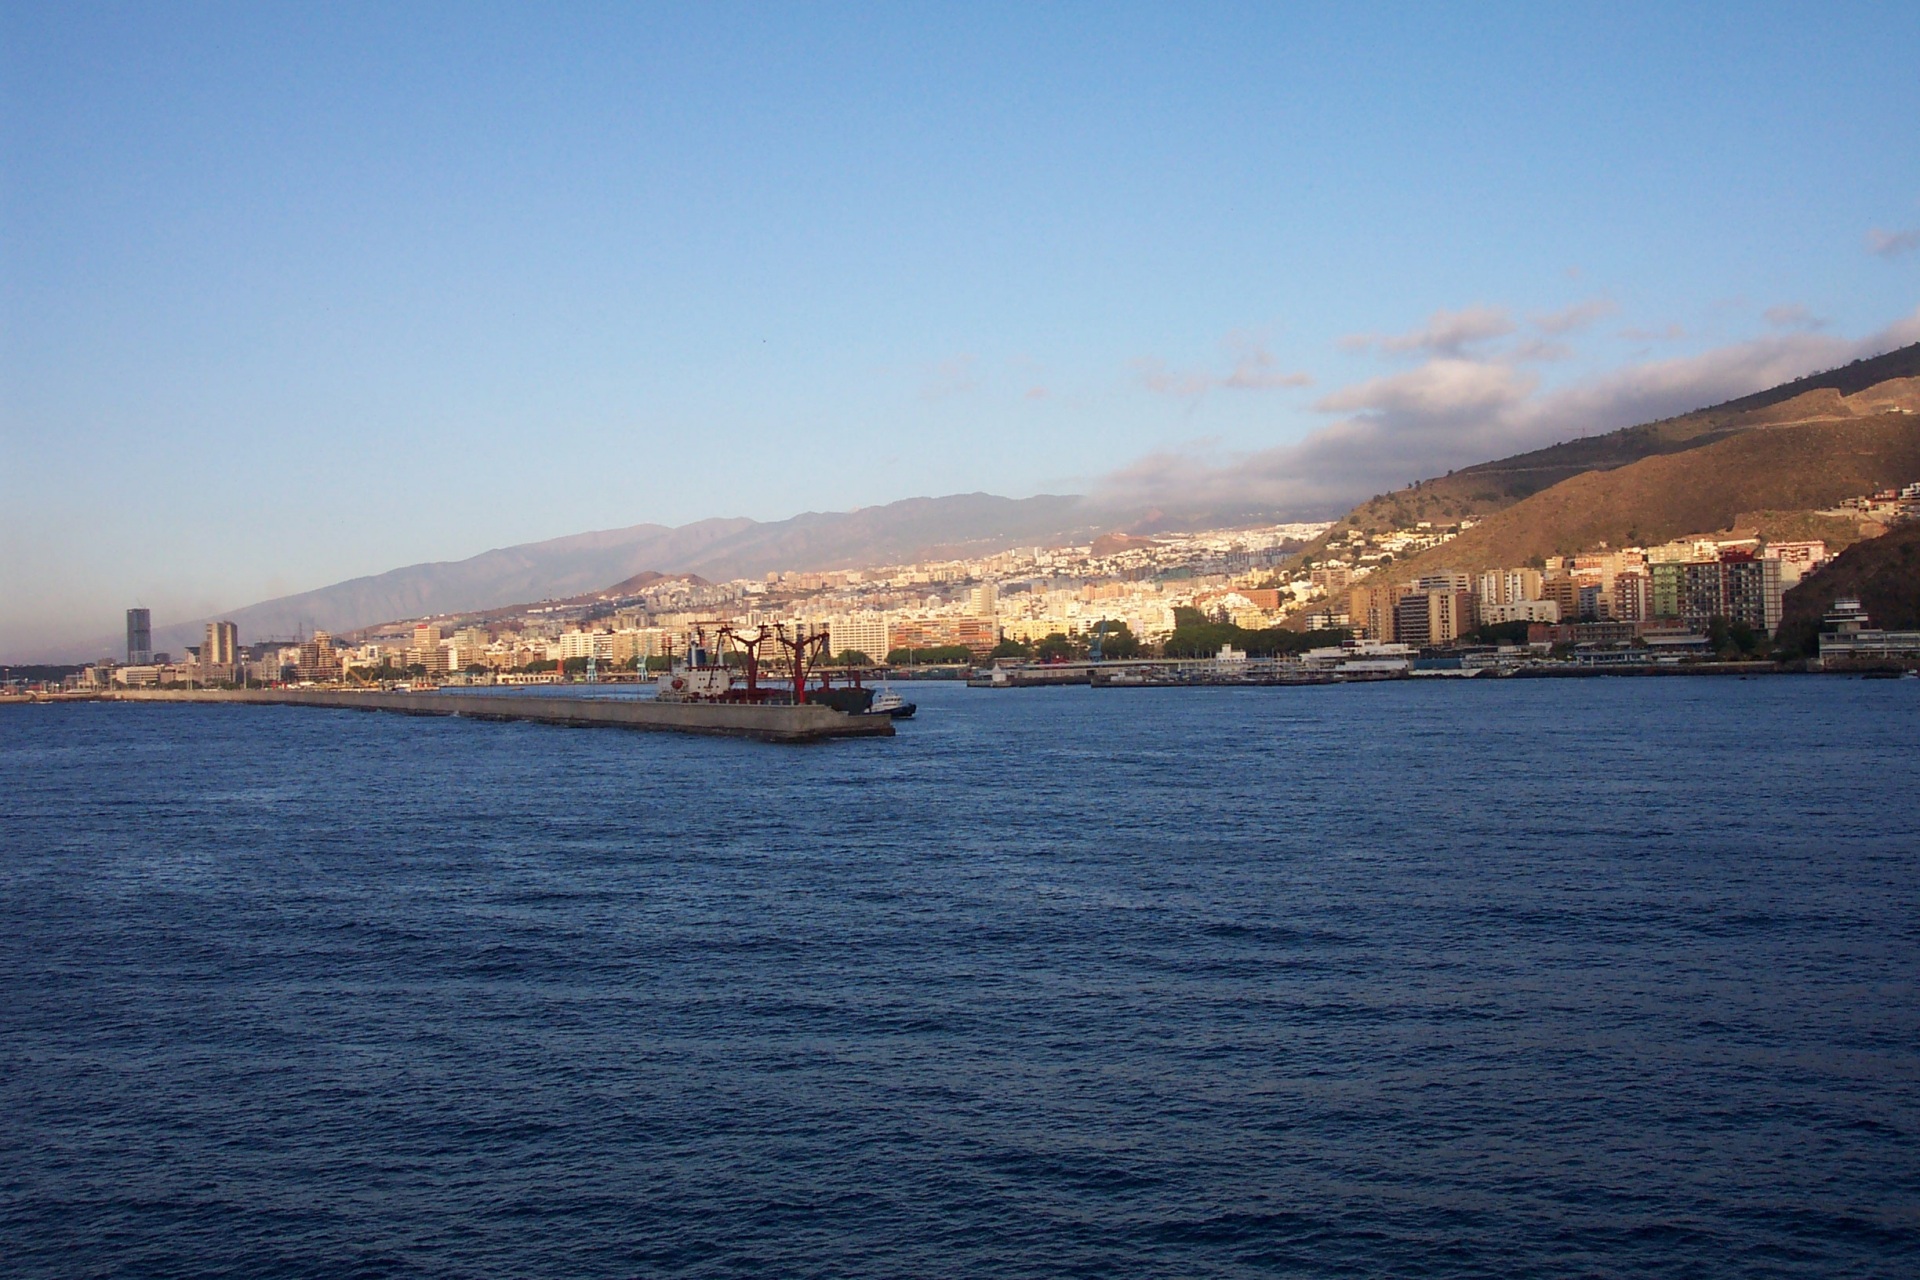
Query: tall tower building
{"points": [[221, 652], [139, 637]]}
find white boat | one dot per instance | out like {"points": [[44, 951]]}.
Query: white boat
{"points": [[888, 703]]}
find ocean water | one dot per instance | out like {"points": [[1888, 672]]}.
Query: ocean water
{"points": [[1605, 977]]}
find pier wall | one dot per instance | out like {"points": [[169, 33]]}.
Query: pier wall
{"points": [[773, 724]]}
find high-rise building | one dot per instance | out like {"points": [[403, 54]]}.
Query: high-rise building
{"points": [[859, 632], [223, 644], [1444, 580], [318, 660], [1632, 597], [1432, 617], [139, 637], [983, 601], [1565, 592], [1508, 586], [1372, 610], [1738, 587]]}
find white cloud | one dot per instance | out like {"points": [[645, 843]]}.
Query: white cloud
{"points": [[1446, 333], [1574, 318], [1156, 377], [1254, 369], [1438, 389], [1791, 315], [1534, 350], [1891, 244], [1454, 411], [1672, 333]]}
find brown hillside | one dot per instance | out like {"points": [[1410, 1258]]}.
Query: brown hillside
{"points": [[1866, 386], [1783, 470], [1883, 574], [1894, 393]]}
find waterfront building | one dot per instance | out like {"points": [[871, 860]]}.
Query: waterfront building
{"points": [[1736, 586], [976, 634], [1632, 597], [222, 648], [1849, 638], [220, 653], [860, 633], [1564, 590], [317, 660], [1507, 586], [1372, 610], [139, 637], [584, 644], [1520, 611], [1433, 616], [639, 643]]}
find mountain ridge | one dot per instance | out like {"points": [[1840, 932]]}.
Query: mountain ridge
{"points": [[717, 549]]}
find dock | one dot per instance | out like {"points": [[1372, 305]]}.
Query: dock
{"points": [[806, 723]]}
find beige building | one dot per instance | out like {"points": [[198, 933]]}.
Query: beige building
{"points": [[1432, 617], [220, 654], [861, 632], [1507, 586], [1797, 559]]}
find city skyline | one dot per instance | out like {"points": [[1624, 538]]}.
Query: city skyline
{"points": [[296, 299]]}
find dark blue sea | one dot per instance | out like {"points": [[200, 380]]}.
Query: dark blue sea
{"points": [[1525, 978]]}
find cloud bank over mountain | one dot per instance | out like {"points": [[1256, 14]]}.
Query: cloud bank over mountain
{"points": [[1470, 399]]}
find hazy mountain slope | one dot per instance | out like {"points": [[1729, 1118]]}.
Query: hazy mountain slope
{"points": [[714, 549], [915, 528], [1782, 469], [1489, 486]]}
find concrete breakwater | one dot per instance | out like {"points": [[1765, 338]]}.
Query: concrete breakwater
{"points": [[734, 720]]}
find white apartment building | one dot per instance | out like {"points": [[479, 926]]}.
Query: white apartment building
{"points": [[583, 644], [1507, 586], [862, 632]]}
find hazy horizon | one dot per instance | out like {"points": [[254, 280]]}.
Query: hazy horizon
{"points": [[291, 299]]}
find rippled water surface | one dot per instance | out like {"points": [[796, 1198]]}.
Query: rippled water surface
{"points": [[1495, 978]]}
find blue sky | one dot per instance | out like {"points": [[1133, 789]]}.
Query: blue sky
{"points": [[288, 297]]}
